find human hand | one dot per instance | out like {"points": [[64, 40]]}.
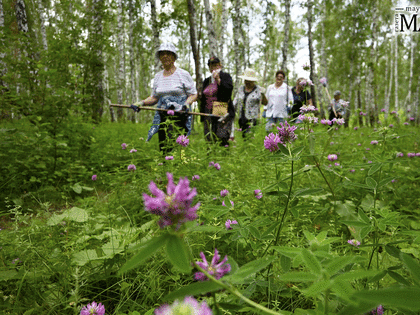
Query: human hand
{"points": [[222, 119], [135, 108]]}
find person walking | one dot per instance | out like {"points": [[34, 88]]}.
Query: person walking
{"points": [[217, 93], [279, 95], [301, 96], [173, 89]]}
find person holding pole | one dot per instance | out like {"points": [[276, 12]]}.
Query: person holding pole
{"points": [[337, 106], [217, 98], [173, 89]]}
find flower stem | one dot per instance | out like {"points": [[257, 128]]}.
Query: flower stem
{"points": [[236, 292], [319, 168]]}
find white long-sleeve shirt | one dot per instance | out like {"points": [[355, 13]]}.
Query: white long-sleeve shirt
{"points": [[278, 99]]}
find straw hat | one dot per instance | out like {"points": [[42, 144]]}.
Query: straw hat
{"points": [[249, 75], [167, 47]]}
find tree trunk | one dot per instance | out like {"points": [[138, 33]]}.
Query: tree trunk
{"points": [[286, 35], [98, 64], [121, 68], [194, 45], [324, 67], [236, 36], [407, 103], [391, 72], [132, 63], [210, 28], [396, 71], [3, 67], [312, 75], [155, 33], [224, 22], [42, 26], [371, 107]]}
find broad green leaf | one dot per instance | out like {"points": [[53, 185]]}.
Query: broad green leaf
{"points": [[365, 231], [298, 277], [397, 277], [298, 150], [285, 263], [355, 275], [309, 236], [385, 181], [254, 232], [378, 276], [412, 265], [56, 219], [206, 228], [355, 223], [311, 261], [250, 269], [343, 289], [284, 150], [393, 251], [404, 298], [290, 252], [145, 252], [83, 257], [371, 183], [317, 288], [363, 216], [283, 185], [177, 253], [77, 188], [308, 191], [338, 264], [375, 167], [194, 289], [7, 275], [76, 214]]}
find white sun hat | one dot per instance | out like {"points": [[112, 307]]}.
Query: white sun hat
{"points": [[249, 75], [167, 47]]}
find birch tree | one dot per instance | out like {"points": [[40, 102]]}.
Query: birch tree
{"points": [[236, 37], [210, 29], [407, 103], [223, 26], [312, 74], [132, 93], [396, 71], [3, 68], [286, 34], [121, 65], [371, 107], [155, 33]]}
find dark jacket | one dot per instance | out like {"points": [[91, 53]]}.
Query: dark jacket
{"points": [[224, 94]]}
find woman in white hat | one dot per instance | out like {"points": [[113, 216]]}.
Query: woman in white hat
{"points": [[279, 95], [247, 101], [173, 88]]}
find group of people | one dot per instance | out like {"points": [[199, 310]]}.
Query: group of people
{"points": [[174, 90]]}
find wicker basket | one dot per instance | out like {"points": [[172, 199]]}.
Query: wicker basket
{"points": [[220, 108]]}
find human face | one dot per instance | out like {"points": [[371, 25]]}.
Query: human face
{"points": [[249, 84], [279, 79], [337, 97], [167, 58], [214, 66]]}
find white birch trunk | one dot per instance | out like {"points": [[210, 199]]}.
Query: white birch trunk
{"points": [[3, 67], [286, 35], [224, 21], [396, 72], [121, 65], [236, 43], [155, 33], [370, 88], [407, 103], [312, 74], [1, 16], [42, 26], [22, 23], [132, 62], [417, 109], [194, 45], [210, 29], [391, 72]]}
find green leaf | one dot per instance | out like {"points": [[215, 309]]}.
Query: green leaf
{"points": [[290, 252], [393, 251], [284, 150], [405, 298], [378, 276], [343, 289], [297, 276], [249, 269], [55, 219], [194, 289], [309, 236], [412, 265], [298, 150], [355, 275], [83, 257], [375, 167], [317, 288], [308, 191], [76, 214], [145, 252], [363, 216], [337, 264], [371, 183], [177, 253], [7, 275], [385, 181], [311, 261], [254, 231], [285, 263], [397, 277], [77, 188], [355, 223]]}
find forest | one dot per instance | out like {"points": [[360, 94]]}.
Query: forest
{"points": [[325, 221]]}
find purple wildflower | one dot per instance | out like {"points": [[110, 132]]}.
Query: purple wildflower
{"points": [[175, 207], [215, 269], [406, 124], [94, 177], [359, 144], [171, 112], [400, 154], [383, 110], [306, 67], [352, 171], [217, 166], [229, 223], [394, 112], [331, 143], [373, 142], [338, 121], [326, 122], [133, 150], [93, 309], [196, 177], [131, 167], [411, 154], [169, 157], [271, 142], [418, 154], [286, 133], [393, 181], [391, 126], [367, 149], [411, 118], [211, 163], [378, 311], [354, 242], [355, 128], [16, 260], [160, 164], [258, 193], [332, 157], [224, 193], [323, 81], [124, 146], [308, 109], [337, 164], [188, 306], [183, 140], [370, 162]]}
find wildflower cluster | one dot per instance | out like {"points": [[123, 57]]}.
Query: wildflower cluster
{"points": [[306, 67], [215, 165], [354, 242], [215, 268], [308, 109], [258, 193], [229, 223], [332, 157], [183, 140], [189, 306], [323, 81], [286, 134], [308, 119], [93, 309], [175, 207], [305, 83], [131, 167]]}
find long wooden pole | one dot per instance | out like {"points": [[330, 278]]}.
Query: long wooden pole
{"points": [[164, 110]]}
